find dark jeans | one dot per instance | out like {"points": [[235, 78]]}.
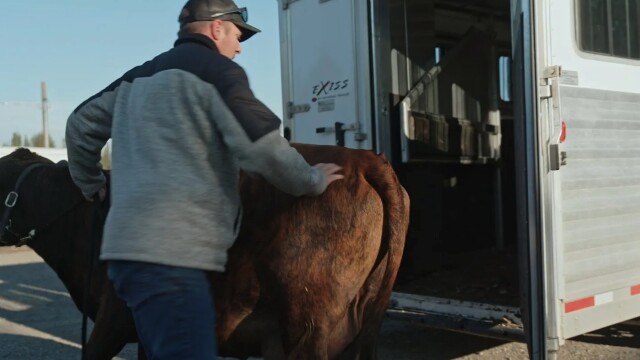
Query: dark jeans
{"points": [[172, 308]]}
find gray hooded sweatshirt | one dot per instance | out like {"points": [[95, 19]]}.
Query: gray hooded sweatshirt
{"points": [[182, 125]]}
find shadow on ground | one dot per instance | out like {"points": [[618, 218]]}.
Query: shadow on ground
{"points": [[38, 320]]}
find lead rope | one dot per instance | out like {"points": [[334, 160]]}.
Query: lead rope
{"points": [[97, 233]]}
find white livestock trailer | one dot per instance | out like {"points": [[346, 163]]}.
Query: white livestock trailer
{"points": [[515, 127]]}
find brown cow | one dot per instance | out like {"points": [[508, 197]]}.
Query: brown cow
{"points": [[308, 277]]}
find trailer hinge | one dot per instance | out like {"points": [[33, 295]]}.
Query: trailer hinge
{"points": [[544, 91], [550, 91], [551, 72], [296, 109], [286, 3]]}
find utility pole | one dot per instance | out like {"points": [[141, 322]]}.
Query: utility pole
{"points": [[45, 114]]}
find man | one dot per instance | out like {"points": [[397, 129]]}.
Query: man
{"points": [[182, 125]]}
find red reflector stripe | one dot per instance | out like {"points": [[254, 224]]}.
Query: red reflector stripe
{"points": [[579, 304], [635, 290]]}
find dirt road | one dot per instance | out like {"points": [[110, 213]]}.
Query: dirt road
{"points": [[39, 321]]}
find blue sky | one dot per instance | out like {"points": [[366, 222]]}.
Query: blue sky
{"points": [[78, 47]]}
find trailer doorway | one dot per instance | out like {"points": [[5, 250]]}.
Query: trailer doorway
{"points": [[454, 152]]}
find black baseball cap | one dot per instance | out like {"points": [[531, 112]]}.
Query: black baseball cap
{"points": [[207, 10]]}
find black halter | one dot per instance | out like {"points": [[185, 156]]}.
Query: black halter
{"points": [[9, 203]]}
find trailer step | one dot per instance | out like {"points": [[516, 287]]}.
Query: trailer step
{"points": [[495, 321]]}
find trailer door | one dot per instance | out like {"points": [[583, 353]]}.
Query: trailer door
{"points": [[588, 71], [527, 196], [325, 60]]}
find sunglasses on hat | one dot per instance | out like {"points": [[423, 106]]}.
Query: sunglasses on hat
{"points": [[243, 12]]}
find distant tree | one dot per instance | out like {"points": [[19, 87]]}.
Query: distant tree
{"points": [[25, 141], [16, 139], [37, 140]]}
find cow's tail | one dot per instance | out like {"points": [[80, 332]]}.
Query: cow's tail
{"points": [[396, 218], [396, 205]]}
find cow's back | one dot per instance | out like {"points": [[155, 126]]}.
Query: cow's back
{"points": [[317, 272]]}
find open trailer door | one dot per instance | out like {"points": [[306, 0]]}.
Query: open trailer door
{"points": [[587, 62], [325, 72], [530, 253], [581, 112]]}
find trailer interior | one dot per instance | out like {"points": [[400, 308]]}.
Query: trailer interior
{"points": [[449, 62]]}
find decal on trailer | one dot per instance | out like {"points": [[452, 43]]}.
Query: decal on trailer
{"points": [[330, 89], [595, 300]]}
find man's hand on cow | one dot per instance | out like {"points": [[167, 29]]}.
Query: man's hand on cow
{"points": [[102, 194], [329, 170]]}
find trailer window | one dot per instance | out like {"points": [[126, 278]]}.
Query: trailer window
{"points": [[610, 27]]}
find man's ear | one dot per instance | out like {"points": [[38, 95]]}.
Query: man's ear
{"points": [[217, 29]]}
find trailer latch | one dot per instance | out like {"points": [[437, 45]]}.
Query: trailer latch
{"points": [[296, 109], [339, 129], [557, 158]]}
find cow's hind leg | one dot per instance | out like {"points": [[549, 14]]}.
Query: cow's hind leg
{"points": [[310, 344], [103, 346], [312, 350], [305, 347], [272, 347], [363, 347], [141, 354], [113, 328]]}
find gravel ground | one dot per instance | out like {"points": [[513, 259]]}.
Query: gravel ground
{"points": [[405, 341], [39, 321]]}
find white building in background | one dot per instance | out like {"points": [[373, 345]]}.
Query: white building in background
{"points": [[59, 154]]}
